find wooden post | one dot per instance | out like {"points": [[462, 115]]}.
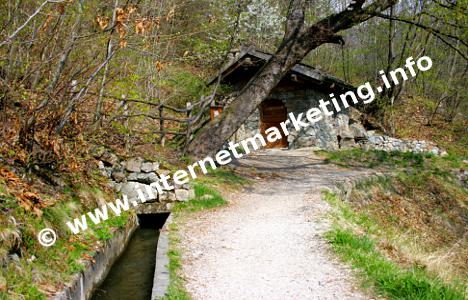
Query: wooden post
{"points": [[161, 125], [189, 126], [125, 113]]}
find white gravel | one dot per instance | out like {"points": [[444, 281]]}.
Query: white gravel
{"points": [[267, 243]]}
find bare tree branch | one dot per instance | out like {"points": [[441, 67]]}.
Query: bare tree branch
{"points": [[38, 10], [425, 27]]}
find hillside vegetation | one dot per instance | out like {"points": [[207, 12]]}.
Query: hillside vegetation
{"points": [[413, 220], [76, 76]]}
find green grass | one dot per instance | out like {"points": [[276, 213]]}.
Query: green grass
{"points": [[176, 289], [224, 177], [205, 198], [386, 276]]}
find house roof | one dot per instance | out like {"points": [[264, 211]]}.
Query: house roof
{"points": [[249, 56]]}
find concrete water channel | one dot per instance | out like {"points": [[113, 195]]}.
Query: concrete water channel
{"points": [[132, 274]]}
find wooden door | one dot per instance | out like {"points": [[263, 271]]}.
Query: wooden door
{"points": [[272, 113]]}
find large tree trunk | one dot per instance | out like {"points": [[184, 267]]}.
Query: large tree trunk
{"points": [[297, 43]]}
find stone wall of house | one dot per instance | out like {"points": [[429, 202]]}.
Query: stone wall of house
{"points": [[128, 176], [343, 130], [250, 128], [322, 134]]}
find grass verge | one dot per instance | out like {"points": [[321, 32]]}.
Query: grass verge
{"points": [[386, 276], [29, 270], [406, 233]]}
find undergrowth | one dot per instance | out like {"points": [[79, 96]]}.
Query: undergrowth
{"points": [[29, 270], [406, 232], [386, 276]]}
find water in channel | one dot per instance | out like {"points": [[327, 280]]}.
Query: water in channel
{"points": [[131, 276]]}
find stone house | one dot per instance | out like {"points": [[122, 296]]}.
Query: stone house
{"points": [[297, 92]]}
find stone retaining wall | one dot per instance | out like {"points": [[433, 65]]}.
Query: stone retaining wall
{"points": [[128, 176], [386, 143]]}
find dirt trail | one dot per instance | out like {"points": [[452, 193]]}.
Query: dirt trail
{"points": [[267, 243]]}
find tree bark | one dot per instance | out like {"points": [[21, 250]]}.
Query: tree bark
{"points": [[297, 43]]}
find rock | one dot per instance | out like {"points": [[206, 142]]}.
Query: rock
{"points": [[345, 133], [183, 195], [164, 196], [355, 116], [146, 178], [112, 184], [130, 190], [342, 121], [14, 257], [171, 196], [348, 143], [132, 177], [375, 139], [366, 147], [118, 176], [358, 130], [151, 208], [133, 165], [148, 167], [304, 141], [110, 159]]}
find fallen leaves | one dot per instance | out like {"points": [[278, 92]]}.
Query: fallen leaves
{"points": [[27, 199], [102, 22], [9, 176], [3, 284], [123, 43], [122, 31], [143, 25], [32, 202], [88, 257], [139, 27], [61, 8], [159, 66], [47, 23], [121, 15], [170, 14]]}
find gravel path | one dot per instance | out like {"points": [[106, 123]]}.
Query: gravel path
{"points": [[267, 243]]}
